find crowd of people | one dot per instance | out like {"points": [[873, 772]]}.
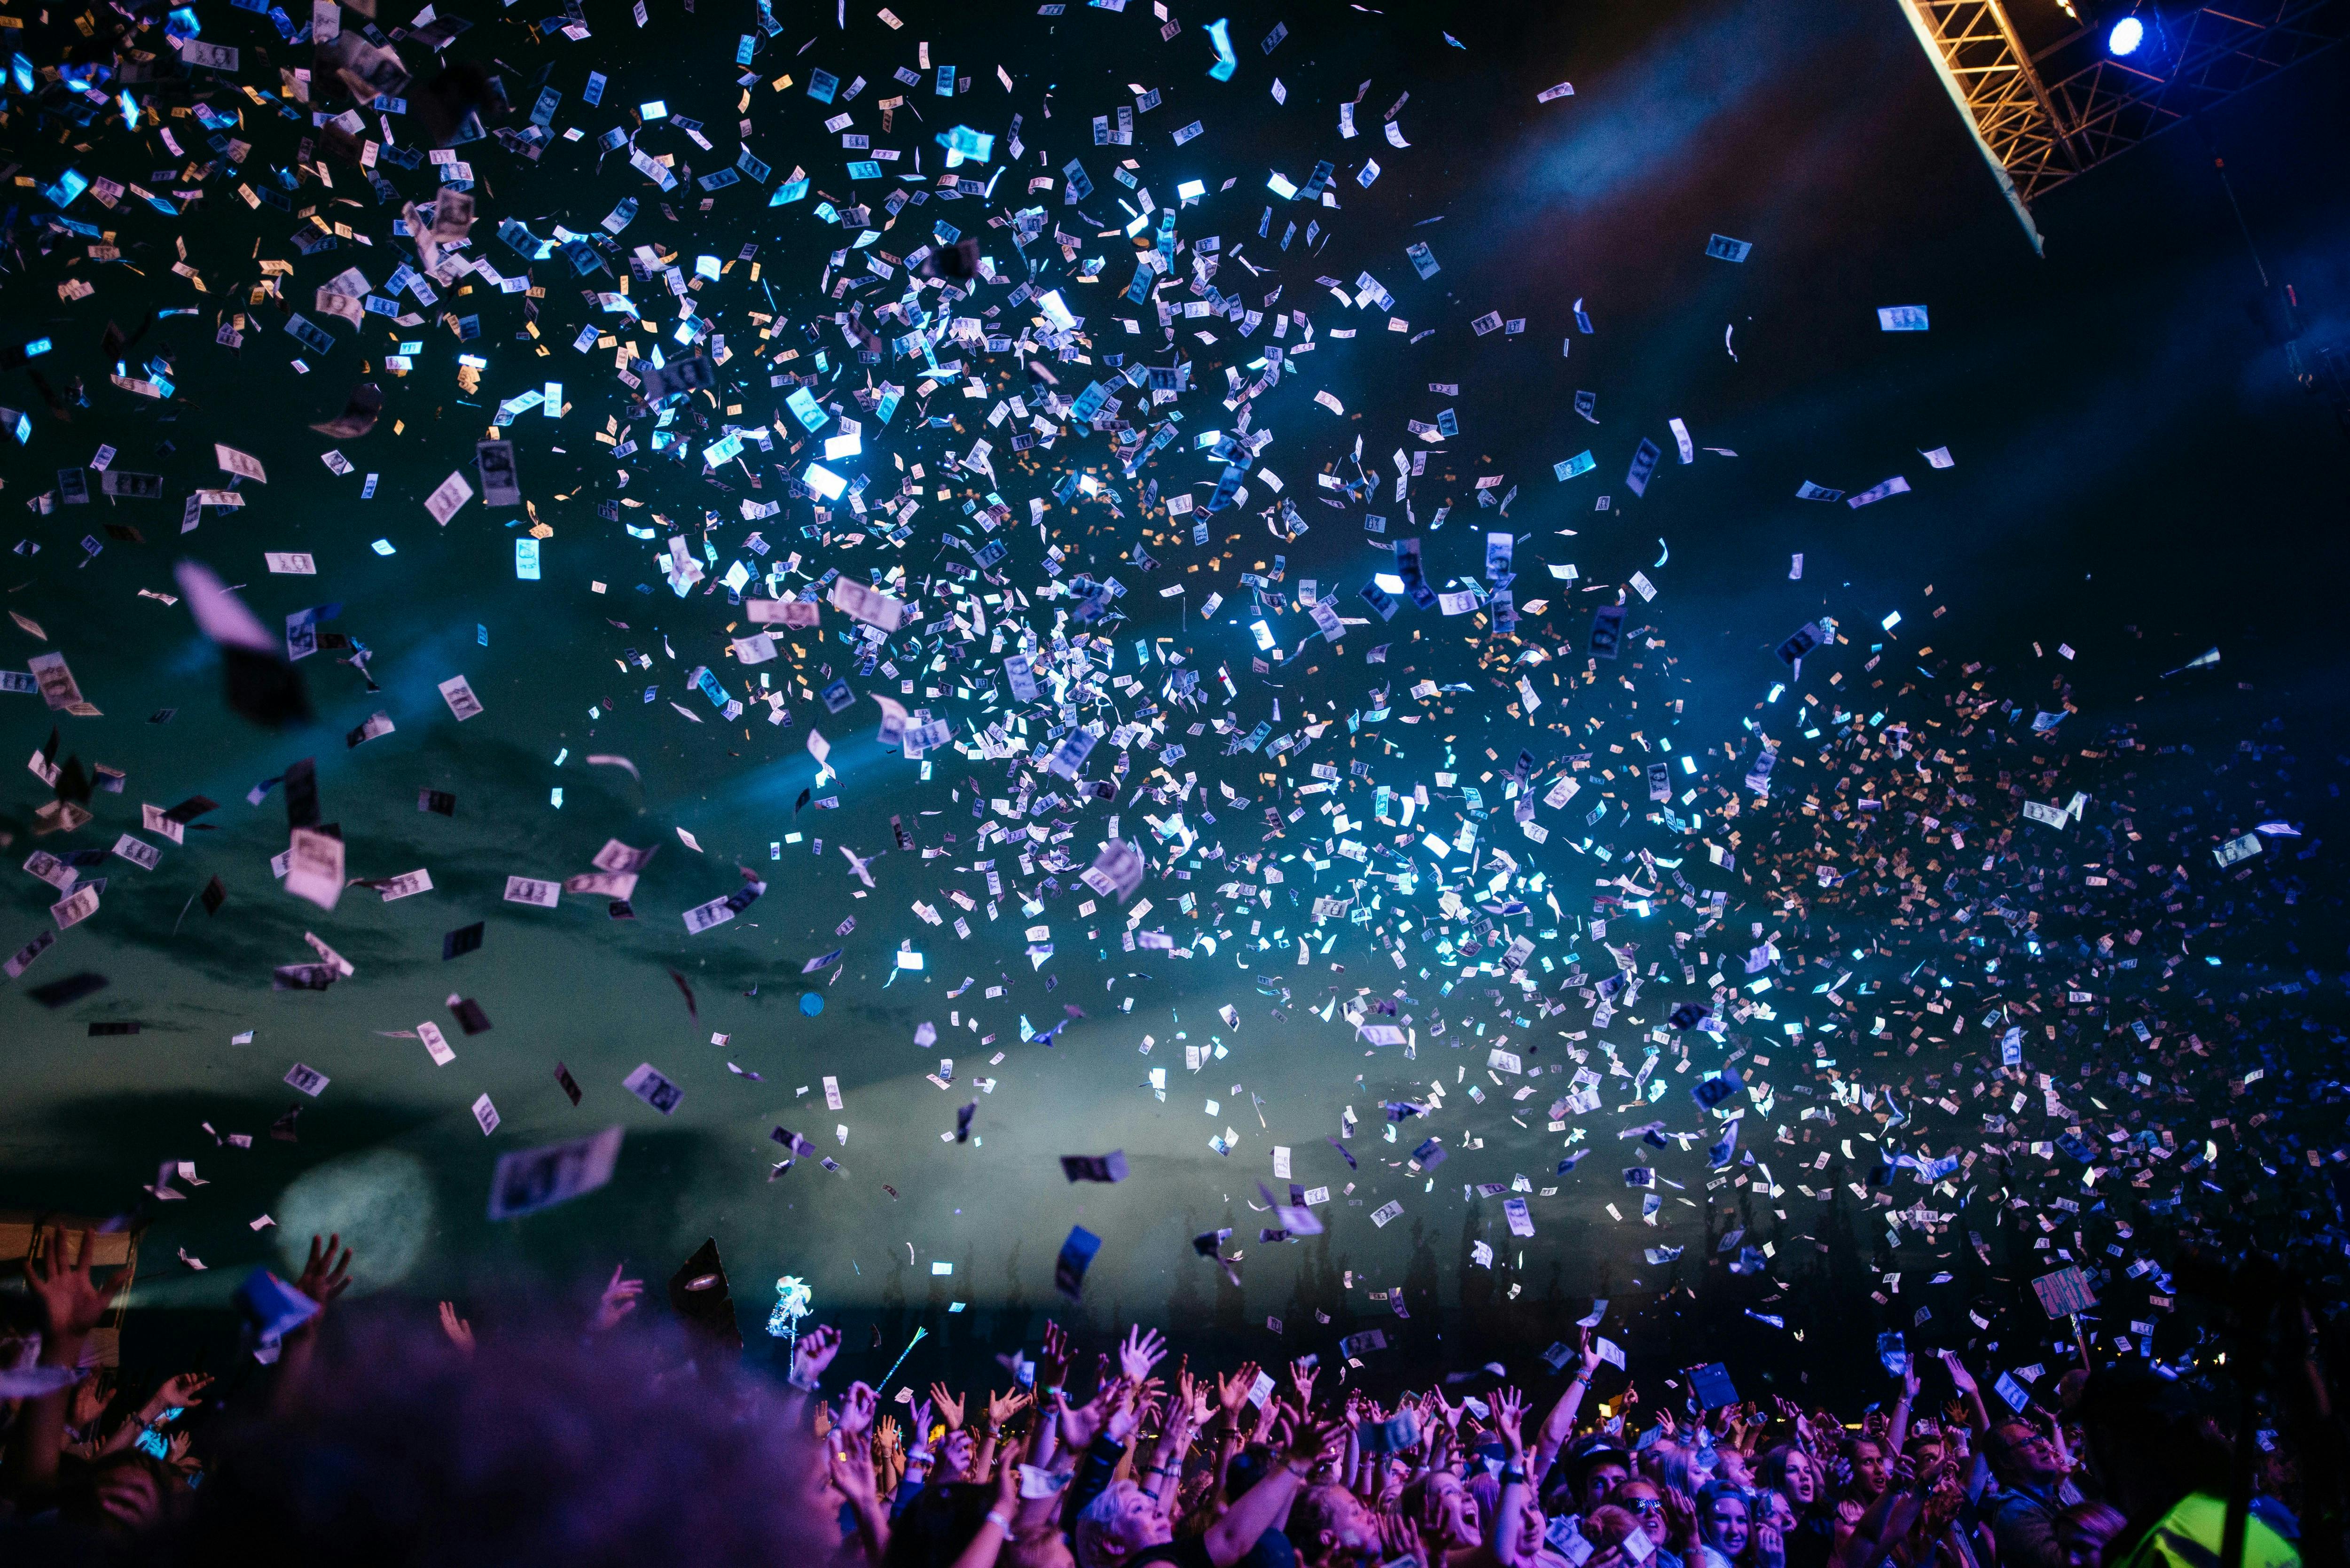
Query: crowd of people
{"points": [[377, 1434]]}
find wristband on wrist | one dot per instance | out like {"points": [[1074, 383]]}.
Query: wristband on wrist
{"points": [[996, 1519], [806, 1385]]}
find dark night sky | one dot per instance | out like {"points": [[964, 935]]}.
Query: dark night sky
{"points": [[2129, 453]]}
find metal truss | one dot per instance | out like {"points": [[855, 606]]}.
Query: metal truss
{"points": [[2040, 120]]}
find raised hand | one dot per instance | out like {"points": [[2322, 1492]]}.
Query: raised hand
{"points": [[886, 1435], [1001, 1409], [1142, 1351], [460, 1332], [1586, 1346], [1233, 1392], [1007, 1489], [325, 1276], [1265, 1418], [1081, 1423], [1960, 1376], [1312, 1442], [814, 1354], [858, 1410], [618, 1300], [1301, 1377], [187, 1388], [1681, 1520], [1274, 1431], [1770, 1548], [1125, 1412], [949, 1405], [1193, 1400], [1053, 1361], [70, 1302], [850, 1460], [1509, 1417]]}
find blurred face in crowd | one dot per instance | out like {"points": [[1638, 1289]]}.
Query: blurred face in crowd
{"points": [[129, 1497], [1775, 1511], [2024, 1454], [125, 1496], [1728, 1526], [1134, 1521], [1044, 1547], [1868, 1470], [1600, 1480], [1531, 1523], [1645, 1503], [1802, 1482], [1449, 1512], [1350, 1530]]}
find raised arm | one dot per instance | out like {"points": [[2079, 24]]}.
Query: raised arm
{"points": [[810, 1356], [1978, 1418], [999, 1410], [1559, 1425], [177, 1393], [1898, 1432], [1185, 1412], [324, 1277], [1266, 1503], [1231, 1393], [1502, 1535], [69, 1305], [996, 1528], [851, 1455], [1037, 1501]]}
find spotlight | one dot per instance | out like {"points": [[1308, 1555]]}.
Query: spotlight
{"points": [[2128, 35]]}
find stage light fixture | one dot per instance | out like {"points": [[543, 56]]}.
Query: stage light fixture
{"points": [[2128, 35]]}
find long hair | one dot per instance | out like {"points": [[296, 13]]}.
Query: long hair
{"points": [[1771, 1474], [1707, 1495]]}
